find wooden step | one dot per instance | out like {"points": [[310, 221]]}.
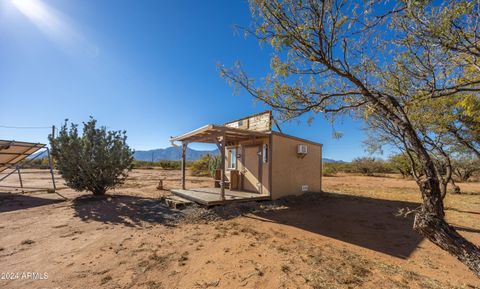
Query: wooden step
{"points": [[176, 202]]}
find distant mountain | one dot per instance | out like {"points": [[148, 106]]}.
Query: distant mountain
{"points": [[174, 153], [325, 160], [170, 153], [38, 155]]}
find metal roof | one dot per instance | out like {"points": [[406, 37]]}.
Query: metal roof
{"points": [[12, 152]]}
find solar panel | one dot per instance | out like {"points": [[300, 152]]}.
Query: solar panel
{"points": [[12, 152]]}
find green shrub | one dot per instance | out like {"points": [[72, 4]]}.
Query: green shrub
{"points": [[40, 163], [329, 169], [170, 165], [205, 166], [164, 164], [401, 164], [369, 166], [96, 161], [213, 164]]}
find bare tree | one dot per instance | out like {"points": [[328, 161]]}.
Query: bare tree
{"points": [[339, 56]]}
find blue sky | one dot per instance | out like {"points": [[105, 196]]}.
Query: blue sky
{"points": [[149, 67]]}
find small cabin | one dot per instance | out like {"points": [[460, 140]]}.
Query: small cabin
{"points": [[257, 163]]}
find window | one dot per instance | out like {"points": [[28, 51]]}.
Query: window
{"points": [[265, 153], [232, 156]]}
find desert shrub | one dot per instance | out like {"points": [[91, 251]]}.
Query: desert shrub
{"points": [[465, 167], [205, 166], [369, 166], [164, 164], [213, 164], [96, 161], [170, 165], [330, 169], [40, 163], [401, 164], [136, 164]]}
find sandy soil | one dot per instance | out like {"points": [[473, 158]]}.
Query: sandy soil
{"points": [[348, 237]]}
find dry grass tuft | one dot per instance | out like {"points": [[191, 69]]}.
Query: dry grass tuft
{"points": [[27, 242]]}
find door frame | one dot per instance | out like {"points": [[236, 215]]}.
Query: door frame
{"points": [[260, 167]]}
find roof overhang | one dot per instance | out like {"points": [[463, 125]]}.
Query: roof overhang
{"points": [[12, 152], [210, 133]]}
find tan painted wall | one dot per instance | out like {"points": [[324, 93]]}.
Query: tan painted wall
{"points": [[289, 172], [265, 180]]}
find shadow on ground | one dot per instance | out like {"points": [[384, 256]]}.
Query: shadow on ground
{"points": [[122, 209], [12, 202], [366, 222]]}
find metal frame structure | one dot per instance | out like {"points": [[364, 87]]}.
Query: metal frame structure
{"points": [[7, 147]]}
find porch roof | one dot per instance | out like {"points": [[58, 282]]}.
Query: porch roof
{"points": [[209, 133]]}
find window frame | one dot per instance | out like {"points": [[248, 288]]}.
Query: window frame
{"points": [[232, 152]]}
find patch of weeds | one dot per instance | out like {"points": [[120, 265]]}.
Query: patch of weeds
{"points": [[153, 285], [143, 263], [105, 279], [160, 260], [350, 270], [285, 268], [259, 271], [183, 259], [283, 249], [27, 242], [430, 284], [206, 284]]}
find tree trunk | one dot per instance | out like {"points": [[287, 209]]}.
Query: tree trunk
{"points": [[99, 192], [430, 220], [446, 237]]}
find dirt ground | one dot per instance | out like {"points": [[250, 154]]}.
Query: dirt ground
{"points": [[350, 236]]}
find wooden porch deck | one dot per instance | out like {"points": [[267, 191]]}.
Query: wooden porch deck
{"points": [[211, 196]]}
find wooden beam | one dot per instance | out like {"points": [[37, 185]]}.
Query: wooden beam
{"points": [[217, 142], [184, 150], [222, 178]]}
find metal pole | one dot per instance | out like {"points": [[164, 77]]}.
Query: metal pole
{"points": [[20, 177], [50, 163]]}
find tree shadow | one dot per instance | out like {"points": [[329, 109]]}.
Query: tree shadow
{"points": [[122, 209], [13, 202], [462, 211], [366, 222]]}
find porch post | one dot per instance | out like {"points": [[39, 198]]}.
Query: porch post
{"points": [[184, 149], [222, 177]]}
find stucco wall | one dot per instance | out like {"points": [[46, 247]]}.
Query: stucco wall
{"points": [[290, 172]]}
